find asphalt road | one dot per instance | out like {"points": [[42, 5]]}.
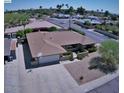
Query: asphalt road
{"points": [[64, 23]]}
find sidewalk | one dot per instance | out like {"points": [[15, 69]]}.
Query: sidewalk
{"points": [[96, 83]]}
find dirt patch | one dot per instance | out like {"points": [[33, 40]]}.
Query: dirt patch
{"points": [[80, 72]]}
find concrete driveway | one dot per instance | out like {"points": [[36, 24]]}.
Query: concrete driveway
{"points": [[48, 79]]}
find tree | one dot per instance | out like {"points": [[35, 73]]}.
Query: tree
{"points": [[80, 10], [40, 7], [87, 23], [97, 10], [67, 6], [71, 10], [101, 10], [106, 13], [59, 7], [109, 60], [110, 50]]}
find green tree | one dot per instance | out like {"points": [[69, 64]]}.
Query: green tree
{"points": [[109, 50], [71, 10], [80, 10], [59, 7], [40, 7], [109, 60], [106, 13], [67, 6]]}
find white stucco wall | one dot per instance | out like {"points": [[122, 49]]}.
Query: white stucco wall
{"points": [[47, 59]]}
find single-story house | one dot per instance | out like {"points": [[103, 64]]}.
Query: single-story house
{"points": [[46, 47], [35, 24], [9, 49], [92, 21]]}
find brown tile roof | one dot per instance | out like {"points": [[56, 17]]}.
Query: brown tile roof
{"points": [[49, 43], [33, 25]]}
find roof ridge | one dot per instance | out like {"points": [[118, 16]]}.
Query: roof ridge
{"points": [[53, 44]]}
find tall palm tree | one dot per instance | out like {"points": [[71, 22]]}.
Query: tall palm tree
{"points": [[59, 7], [67, 6], [97, 10], [101, 10], [70, 11], [40, 7]]}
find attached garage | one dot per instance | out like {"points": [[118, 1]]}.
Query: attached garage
{"points": [[49, 60]]}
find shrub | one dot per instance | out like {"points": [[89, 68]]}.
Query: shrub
{"points": [[80, 56], [71, 57], [28, 30], [92, 49], [80, 32], [52, 29], [87, 23], [108, 62], [20, 33], [99, 63], [98, 26]]}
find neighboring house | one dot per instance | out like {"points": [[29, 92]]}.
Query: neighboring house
{"points": [[92, 21], [60, 15], [9, 49], [46, 47], [34, 24]]}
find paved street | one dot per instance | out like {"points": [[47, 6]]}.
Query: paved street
{"points": [[97, 37], [110, 87]]}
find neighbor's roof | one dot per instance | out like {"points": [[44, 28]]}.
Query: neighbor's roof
{"points": [[7, 44], [34, 24], [49, 43]]}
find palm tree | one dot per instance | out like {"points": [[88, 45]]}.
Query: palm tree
{"points": [[101, 10], [40, 7], [106, 13], [97, 10], [80, 10], [62, 5], [70, 11], [67, 6], [59, 7]]}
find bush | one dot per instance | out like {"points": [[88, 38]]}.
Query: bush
{"points": [[80, 32], [92, 49], [28, 30], [22, 33], [80, 56], [68, 56], [99, 63], [109, 60], [98, 27], [71, 57], [87, 23], [115, 32], [52, 29]]}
